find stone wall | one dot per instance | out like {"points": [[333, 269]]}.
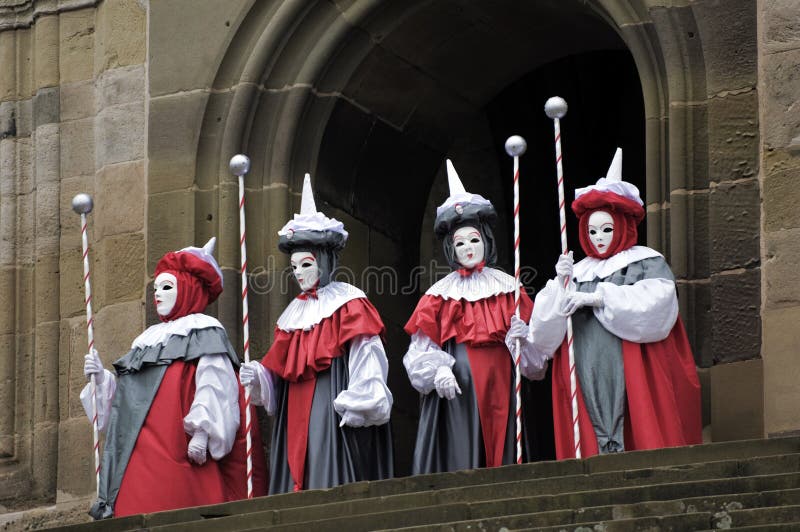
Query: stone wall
{"points": [[779, 87], [72, 115]]}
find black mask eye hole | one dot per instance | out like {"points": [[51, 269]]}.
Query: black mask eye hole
{"points": [[166, 287], [592, 231], [459, 243], [475, 240], [306, 265], [608, 229]]}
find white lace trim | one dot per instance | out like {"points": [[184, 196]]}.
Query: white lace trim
{"points": [[161, 332], [590, 268], [463, 198], [305, 313], [621, 188], [479, 285]]}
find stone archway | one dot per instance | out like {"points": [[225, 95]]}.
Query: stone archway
{"points": [[367, 97]]}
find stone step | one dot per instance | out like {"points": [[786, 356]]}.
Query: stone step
{"points": [[717, 507], [540, 510], [449, 495]]}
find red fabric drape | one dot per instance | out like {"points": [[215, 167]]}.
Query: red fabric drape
{"points": [[663, 398], [482, 326], [297, 356], [626, 214]]}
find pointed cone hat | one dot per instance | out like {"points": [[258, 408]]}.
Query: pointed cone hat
{"points": [[461, 207], [311, 228], [610, 191]]}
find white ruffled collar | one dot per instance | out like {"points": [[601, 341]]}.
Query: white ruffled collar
{"points": [[306, 313], [161, 332], [591, 268], [474, 287]]}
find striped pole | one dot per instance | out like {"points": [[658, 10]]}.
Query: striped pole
{"points": [[83, 205], [239, 165], [556, 108], [516, 146]]}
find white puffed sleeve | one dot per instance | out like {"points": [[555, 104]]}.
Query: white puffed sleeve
{"points": [[105, 394], [642, 312], [422, 360], [264, 394], [367, 395], [548, 325], [215, 408]]}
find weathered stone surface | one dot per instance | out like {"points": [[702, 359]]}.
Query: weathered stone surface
{"points": [[781, 371], [115, 328], [77, 100], [45, 52], [8, 281], [25, 162], [182, 65], [120, 199], [24, 117], [120, 134], [77, 35], [78, 147], [780, 22], [780, 109], [729, 37], [781, 260], [734, 212], [119, 86], [46, 285], [70, 221], [780, 192], [170, 224], [737, 402], [75, 459], [8, 120], [173, 130], [46, 108], [47, 143], [694, 299], [8, 230], [735, 306], [7, 375], [48, 227], [73, 345], [117, 267], [8, 65], [25, 63], [697, 239], [688, 138], [8, 167], [683, 52], [26, 226], [733, 136], [121, 37]]}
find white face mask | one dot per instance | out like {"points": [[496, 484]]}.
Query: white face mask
{"points": [[601, 230], [166, 293], [468, 244], [305, 269]]}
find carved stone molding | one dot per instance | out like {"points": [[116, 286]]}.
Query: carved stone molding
{"points": [[15, 14]]}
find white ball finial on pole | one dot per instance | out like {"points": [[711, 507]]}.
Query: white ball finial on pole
{"points": [[555, 107], [239, 166], [82, 204], [516, 146]]}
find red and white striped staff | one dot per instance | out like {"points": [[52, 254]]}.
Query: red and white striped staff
{"points": [[239, 165], [556, 108], [516, 146], [83, 204]]}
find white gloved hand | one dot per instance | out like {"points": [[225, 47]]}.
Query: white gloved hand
{"points": [[352, 419], [518, 329], [574, 300], [564, 267], [248, 376], [197, 447], [92, 365], [445, 382]]}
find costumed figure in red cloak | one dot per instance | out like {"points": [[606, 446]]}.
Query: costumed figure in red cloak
{"points": [[173, 415], [324, 378], [463, 333], [637, 384]]}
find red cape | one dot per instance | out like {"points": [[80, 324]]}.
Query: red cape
{"points": [[481, 326], [663, 398], [297, 356], [159, 475]]}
